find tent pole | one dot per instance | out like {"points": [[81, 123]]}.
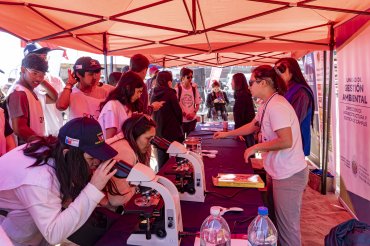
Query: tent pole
{"points": [[331, 60], [105, 57], [111, 65], [323, 126]]}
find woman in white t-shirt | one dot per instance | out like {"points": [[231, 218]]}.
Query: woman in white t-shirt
{"points": [[281, 146], [121, 103]]}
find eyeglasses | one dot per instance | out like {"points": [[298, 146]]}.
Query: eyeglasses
{"points": [[35, 73], [251, 82]]}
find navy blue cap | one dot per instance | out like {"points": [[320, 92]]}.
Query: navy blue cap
{"points": [[33, 48], [87, 63], [86, 134]]}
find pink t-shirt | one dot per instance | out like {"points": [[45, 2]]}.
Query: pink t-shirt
{"points": [[188, 102]]}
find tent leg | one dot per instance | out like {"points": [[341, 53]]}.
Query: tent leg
{"points": [[111, 66], [324, 124], [105, 51], [328, 112]]}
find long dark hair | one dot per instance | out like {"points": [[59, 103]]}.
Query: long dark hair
{"points": [[297, 76], [124, 90], [163, 77], [240, 84], [71, 169], [294, 69], [265, 72], [133, 128]]}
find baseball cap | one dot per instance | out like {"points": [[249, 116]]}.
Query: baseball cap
{"points": [[86, 134], [33, 61], [153, 70], [33, 48], [87, 63]]}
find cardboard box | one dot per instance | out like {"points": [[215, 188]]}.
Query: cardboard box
{"points": [[314, 181]]}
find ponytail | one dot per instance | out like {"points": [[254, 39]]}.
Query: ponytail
{"points": [[268, 72]]}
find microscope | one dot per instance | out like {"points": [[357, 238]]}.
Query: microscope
{"points": [[190, 179], [160, 222]]}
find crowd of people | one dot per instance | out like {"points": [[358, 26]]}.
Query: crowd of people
{"points": [[58, 174]]}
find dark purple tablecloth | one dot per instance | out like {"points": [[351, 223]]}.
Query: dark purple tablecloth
{"points": [[229, 160]]}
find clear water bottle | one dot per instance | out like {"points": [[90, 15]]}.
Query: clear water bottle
{"points": [[261, 231], [215, 231]]}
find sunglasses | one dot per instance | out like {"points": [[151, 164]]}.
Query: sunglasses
{"points": [[35, 73], [189, 77], [251, 82]]}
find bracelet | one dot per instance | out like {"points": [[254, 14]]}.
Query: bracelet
{"points": [[68, 88]]}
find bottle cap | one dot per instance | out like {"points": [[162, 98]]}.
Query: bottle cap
{"points": [[263, 211], [215, 210]]}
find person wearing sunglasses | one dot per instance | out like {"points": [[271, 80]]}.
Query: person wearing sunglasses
{"points": [[169, 117], [51, 186], [282, 152], [53, 117], [300, 96], [189, 99], [24, 108]]}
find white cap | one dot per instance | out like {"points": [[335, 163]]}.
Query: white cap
{"points": [[215, 210]]}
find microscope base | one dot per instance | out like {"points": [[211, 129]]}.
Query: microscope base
{"points": [[192, 198], [139, 239]]}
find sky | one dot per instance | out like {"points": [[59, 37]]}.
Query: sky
{"points": [[11, 55]]}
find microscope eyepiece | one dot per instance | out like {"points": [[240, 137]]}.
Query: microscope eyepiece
{"points": [[123, 169]]}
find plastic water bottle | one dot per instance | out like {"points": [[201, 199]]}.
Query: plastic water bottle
{"points": [[215, 231], [261, 231]]}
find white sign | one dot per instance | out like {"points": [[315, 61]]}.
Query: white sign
{"points": [[354, 113]]}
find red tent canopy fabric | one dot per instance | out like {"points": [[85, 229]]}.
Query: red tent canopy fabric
{"points": [[204, 32]]}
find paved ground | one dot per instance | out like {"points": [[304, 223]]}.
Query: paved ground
{"points": [[319, 214]]}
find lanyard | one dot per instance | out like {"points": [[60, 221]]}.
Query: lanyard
{"points": [[263, 115], [266, 104]]}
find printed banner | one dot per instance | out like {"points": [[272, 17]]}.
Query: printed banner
{"points": [[354, 113], [310, 75]]}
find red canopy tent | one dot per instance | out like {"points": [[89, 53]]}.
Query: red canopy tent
{"points": [[187, 32], [204, 32]]}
